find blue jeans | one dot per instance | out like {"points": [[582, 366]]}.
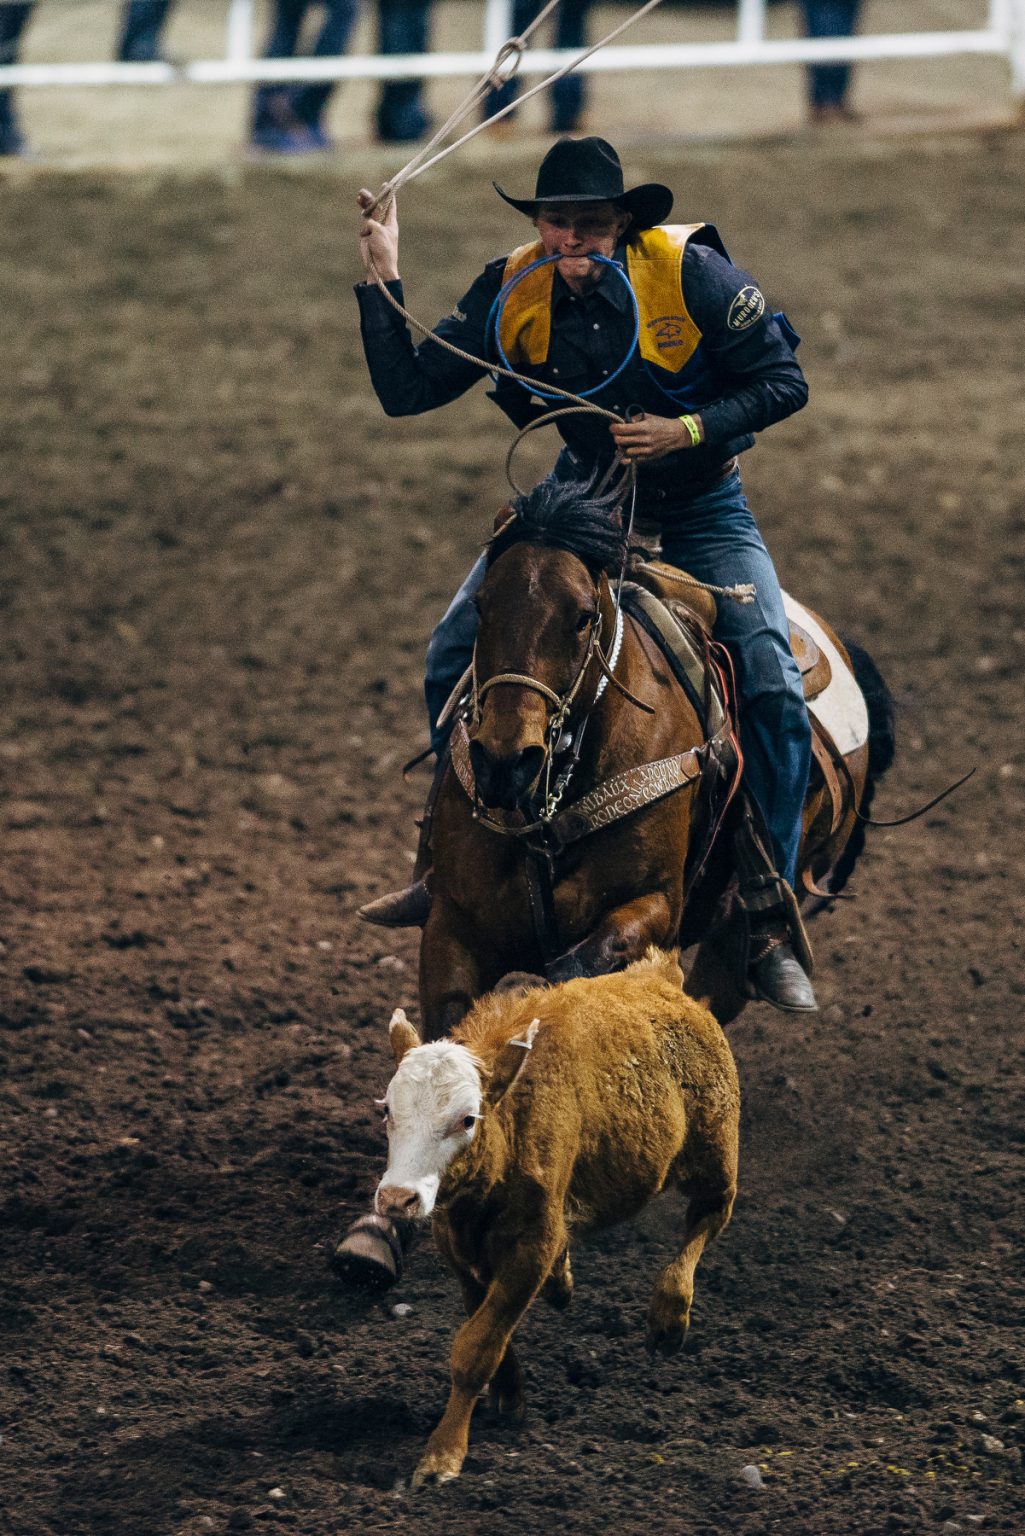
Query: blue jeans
{"points": [[142, 22], [713, 537], [828, 83], [402, 27], [569, 93], [13, 20], [305, 102]]}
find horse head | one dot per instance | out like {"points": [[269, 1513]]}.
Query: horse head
{"points": [[545, 609]]}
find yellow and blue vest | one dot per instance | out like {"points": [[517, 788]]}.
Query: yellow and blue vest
{"points": [[669, 339]]}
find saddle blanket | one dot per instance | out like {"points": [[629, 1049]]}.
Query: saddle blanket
{"points": [[840, 707]]}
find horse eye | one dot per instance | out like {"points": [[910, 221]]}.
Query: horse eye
{"points": [[585, 621], [468, 1122]]}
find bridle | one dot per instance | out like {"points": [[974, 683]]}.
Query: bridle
{"points": [[558, 708]]}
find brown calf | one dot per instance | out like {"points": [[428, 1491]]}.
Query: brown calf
{"points": [[549, 1114]]}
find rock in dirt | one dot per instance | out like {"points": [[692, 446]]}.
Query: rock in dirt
{"points": [[751, 1476]]}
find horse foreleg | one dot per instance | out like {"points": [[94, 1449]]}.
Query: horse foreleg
{"points": [[450, 979], [622, 936], [716, 977]]}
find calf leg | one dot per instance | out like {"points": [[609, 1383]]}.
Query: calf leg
{"points": [[506, 1389], [710, 1189], [479, 1349]]}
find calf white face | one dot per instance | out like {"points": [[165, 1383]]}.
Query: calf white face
{"points": [[431, 1110]]}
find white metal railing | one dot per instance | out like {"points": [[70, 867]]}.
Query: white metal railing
{"points": [[1002, 36]]}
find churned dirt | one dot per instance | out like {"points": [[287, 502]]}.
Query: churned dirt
{"points": [[219, 566]]}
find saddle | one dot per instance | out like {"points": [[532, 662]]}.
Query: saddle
{"points": [[679, 616], [692, 605]]}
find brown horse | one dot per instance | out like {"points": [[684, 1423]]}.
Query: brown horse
{"points": [[547, 723]]}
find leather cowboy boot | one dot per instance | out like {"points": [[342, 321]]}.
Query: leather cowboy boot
{"points": [[779, 959], [410, 907]]}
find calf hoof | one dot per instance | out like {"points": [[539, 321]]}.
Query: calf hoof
{"points": [[558, 1288], [369, 1256], [437, 1467], [665, 1341], [668, 1321], [506, 1404]]}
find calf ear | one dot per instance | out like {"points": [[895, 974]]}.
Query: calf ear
{"points": [[509, 1063], [402, 1035], [503, 517]]}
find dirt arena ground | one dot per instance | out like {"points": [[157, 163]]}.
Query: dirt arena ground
{"points": [[219, 568]]}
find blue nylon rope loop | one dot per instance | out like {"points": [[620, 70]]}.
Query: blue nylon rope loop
{"points": [[494, 322]]}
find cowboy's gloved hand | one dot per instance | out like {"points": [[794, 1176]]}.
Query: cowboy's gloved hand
{"points": [[379, 239], [651, 437]]}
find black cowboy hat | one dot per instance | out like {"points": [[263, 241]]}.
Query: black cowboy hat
{"points": [[589, 171]]}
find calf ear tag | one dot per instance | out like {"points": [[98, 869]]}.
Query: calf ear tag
{"points": [[509, 1064], [532, 1029], [402, 1035]]}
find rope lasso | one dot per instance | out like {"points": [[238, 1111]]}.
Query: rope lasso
{"points": [[504, 67], [510, 52]]}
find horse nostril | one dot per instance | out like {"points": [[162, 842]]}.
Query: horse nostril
{"points": [[530, 764], [502, 782]]}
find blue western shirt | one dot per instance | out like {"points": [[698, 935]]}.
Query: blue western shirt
{"points": [[740, 379]]}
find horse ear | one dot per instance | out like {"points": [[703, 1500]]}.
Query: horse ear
{"points": [[509, 1064], [402, 1035], [502, 516]]}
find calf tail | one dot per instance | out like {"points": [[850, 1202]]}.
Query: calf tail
{"points": [[881, 747]]}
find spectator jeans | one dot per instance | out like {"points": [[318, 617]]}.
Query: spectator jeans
{"points": [[828, 83]]}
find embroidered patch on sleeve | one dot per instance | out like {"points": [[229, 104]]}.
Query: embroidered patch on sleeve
{"points": [[747, 307]]}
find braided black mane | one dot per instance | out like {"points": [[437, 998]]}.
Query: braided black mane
{"points": [[567, 515]]}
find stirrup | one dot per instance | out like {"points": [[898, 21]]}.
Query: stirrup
{"points": [[408, 908]]}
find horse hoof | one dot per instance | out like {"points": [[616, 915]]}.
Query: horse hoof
{"points": [[369, 1256]]}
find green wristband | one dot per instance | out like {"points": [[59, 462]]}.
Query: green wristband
{"points": [[693, 429]]}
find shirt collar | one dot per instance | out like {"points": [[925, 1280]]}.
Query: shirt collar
{"points": [[611, 290]]}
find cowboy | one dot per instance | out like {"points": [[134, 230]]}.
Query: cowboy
{"points": [[705, 365]]}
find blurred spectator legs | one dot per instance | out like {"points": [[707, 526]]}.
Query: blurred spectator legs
{"points": [[13, 18], [568, 96], [287, 119], [402, 27], [828, 84], [142, 22]]}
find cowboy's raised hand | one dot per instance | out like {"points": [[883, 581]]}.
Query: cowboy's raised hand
{"points": [[650, 437], [379, 238]]}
